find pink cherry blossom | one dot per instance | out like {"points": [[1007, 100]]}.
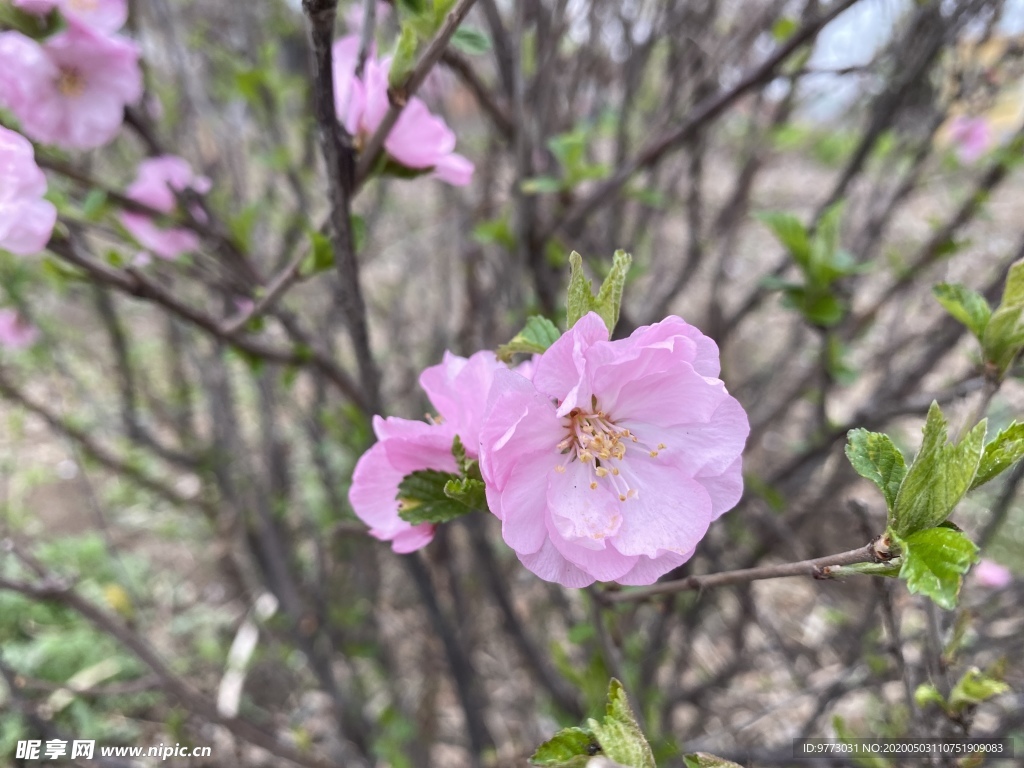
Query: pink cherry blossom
{"points": [[971, 136], [72, 89], [155, 184], [458, 389], [612, 463], [101, 15], [418, 140], [15, 331], [988, 573], [26, 219]]}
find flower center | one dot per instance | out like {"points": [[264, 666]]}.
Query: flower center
{"points": [[597, 442], [70, 82]]}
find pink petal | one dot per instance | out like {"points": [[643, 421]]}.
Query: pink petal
{"points": [[559, 371], [454, 169], [649, 570], [550, 565]]}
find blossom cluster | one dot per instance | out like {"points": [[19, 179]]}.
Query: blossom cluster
{"points": [[604, 460], [419, 140], [71, 89]]}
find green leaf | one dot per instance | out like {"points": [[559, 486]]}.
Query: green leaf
{"points": [[940, 476], [823, 310], [934, 563], [537, 335], [619, 734], [581, 294], [876, 458], [1004, 333], [784, 27], [967, 306], [825, 247], [541, 185], [422, 498], [569, 748], [846, 737], [926, 694], [321, 256], [973, 688], [704, 760], [471, 41], [94, 205], [609, 298], [1000, 454], [405, 55], [791, 233], [459, 452]]}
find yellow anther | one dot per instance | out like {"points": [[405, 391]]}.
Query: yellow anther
{"points": [[662, 446], [654, 454], [600, 471], [615, 471], [559, 468], [593, 486], [622, 497]]}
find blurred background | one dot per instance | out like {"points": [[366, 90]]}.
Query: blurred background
{"points": [[191, 482]]}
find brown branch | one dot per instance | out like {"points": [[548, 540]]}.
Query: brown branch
{"points": [[400, 95], [813, 568]]}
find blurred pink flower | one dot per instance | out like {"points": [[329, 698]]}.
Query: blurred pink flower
{"points": [[72, 89], [613, 462], [26, 219], [15, 332], [458, 389], [155, 184], [988, 573], [972, 137], [418, 140], [101, 15]]}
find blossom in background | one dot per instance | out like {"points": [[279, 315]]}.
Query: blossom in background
{"points": [[15, 331], [971, 136], [72, 89], [155, 184], [988, 573], [101, 15], [26, 219], [418, 140], [611, 464], [458, 389]]}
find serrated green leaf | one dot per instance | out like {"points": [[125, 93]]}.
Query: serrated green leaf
{"points": [[973, 688], [704, 760], [537, 335], [471, 41], [1004, 333], [939, 477], [459, 452], [422, 498], [1000, 454], [967, 306], [569, 748], [791, 233], [619, 734], [934, 563], [876, 458]]}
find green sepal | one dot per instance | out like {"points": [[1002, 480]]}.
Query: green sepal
{"points": [[619, 733], [467, 491], [967, 306], [537, 335], [607, 302], [1000, 454], [939, 477], [876, 458], [935, 561], [1004, 332], [890, 568], [405, 54], [569, 748], [422, 498]]}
